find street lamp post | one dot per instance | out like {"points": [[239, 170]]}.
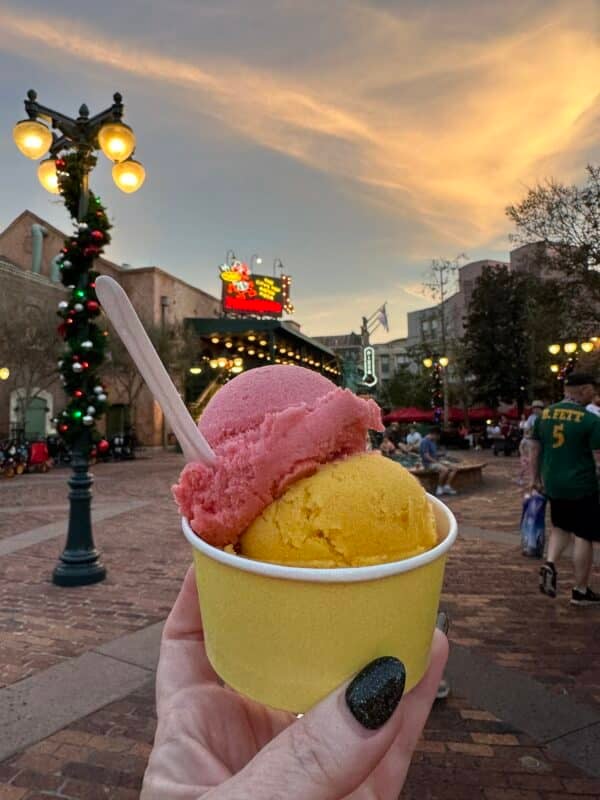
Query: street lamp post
{"points": [[72, 144], [439, 390], [563, 367], [277, 264]]}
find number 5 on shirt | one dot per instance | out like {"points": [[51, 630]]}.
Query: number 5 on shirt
{"points": [[558, 436]]}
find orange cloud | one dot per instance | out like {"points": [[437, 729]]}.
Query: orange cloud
{"points": [[429, 123]]}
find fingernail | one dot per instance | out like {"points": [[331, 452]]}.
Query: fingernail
{"points": [[375, 692], [443, 622]]}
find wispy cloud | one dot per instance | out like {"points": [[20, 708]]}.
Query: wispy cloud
{"points": [[433, 124]]}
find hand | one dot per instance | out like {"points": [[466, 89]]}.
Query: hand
{"points": [[216, 744]]}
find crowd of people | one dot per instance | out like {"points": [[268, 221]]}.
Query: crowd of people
{"points": [[559, 452]]}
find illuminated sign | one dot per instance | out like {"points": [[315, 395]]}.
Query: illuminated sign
{"points": [[369, 377], [260, 295]]}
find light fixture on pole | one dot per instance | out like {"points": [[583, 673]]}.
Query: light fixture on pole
{"points": [[439, 399], [47, 175], [255, 259], [128, 175], [72, 145], [277, 265]]}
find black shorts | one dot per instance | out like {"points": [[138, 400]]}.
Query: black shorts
{"points": [[580, 516]]}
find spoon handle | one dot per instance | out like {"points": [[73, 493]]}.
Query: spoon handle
{"points": [[126, 322]]}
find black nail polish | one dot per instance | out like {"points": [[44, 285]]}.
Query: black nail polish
{"points": [[443, 622], [374, 693]]}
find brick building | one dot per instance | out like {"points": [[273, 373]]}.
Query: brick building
{"points": [[28, 276]]}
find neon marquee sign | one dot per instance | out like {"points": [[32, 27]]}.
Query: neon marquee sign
{"points": [[259, 295]]}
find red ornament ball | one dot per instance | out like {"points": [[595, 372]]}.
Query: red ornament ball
{"points": [[63, 428], [92, 306], [77, 393], [103, 446], [90, 251], [97, 236]]}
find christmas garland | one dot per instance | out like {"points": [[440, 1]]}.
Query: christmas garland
{"points": [[85, 341]]}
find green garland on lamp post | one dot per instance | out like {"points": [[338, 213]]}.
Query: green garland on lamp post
{"points": [[85, 343], [72, 151]]}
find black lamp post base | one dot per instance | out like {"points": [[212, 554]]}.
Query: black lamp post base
{"points": [[79, 570]]}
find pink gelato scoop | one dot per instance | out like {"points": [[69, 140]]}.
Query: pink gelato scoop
{"points": [[268, 427]]}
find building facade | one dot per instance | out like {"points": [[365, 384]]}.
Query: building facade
{"points": [[425, 325], [29, 278]]}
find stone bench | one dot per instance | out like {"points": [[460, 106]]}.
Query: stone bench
{"points": [[468, 476]]}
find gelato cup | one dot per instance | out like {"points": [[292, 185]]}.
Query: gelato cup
{"points": [[287, 636]]}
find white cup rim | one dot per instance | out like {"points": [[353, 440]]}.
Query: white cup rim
{"points": [[328, 575]]}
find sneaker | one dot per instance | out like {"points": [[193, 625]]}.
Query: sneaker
{"points": [[443, 690], [548, 579], [587, 598], [439, 491], [449, 490]]}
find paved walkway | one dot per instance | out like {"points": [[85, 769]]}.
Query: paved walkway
{"points": [[76, 665]]}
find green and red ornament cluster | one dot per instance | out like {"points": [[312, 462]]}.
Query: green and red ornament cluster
{"points": [[85, 341]]}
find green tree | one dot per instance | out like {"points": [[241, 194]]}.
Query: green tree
{"points": [[565, 221], [176, 348], [407, 388], [29, 348], [496, 337]]}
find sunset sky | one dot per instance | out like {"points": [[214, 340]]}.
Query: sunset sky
{"points": [[354, 140]]}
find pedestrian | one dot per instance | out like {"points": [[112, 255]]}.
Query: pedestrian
{"points": [[563, 442], [594, 406], [413, 439], [430, 459], [394, 434], [536, 410]]}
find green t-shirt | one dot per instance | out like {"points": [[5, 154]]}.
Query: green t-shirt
{"points": [[568, 434]]}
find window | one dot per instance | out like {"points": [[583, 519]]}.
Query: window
{"points": [[385, 365]]}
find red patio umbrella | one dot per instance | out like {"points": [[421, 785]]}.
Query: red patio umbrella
{"points": [[481, 414], [410, 414]]}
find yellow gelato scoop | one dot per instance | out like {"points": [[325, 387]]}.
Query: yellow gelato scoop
{"points": [[359, 511]]}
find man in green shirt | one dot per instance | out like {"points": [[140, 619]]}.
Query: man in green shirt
{"points": [[565, 437]]}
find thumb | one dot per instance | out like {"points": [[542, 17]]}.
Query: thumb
{"points": [[334, 748]]}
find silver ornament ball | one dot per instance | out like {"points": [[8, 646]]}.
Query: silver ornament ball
{"points": [[87, 345], [98, 389], [77, 367], [63, 305], [87, 420], [78, 307], [83, 226], [102, 398], [91, 410], [66, 263]]}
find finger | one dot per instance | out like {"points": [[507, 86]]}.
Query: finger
{"points": [[183, 664], [391, 772], [329, 752], [184, 621]]}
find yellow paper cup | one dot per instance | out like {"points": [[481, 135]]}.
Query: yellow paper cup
{"points": [[287, 636]]}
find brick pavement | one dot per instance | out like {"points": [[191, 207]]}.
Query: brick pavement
{"points": [[490, 590]]}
